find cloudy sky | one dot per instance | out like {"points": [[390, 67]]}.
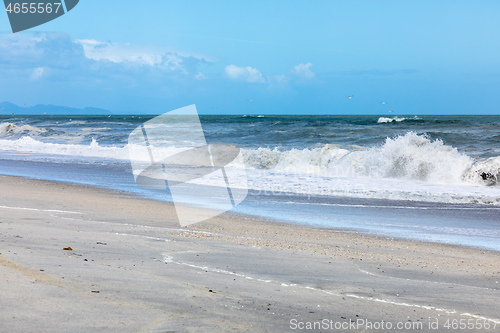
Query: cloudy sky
{"points": [[261, 57]]}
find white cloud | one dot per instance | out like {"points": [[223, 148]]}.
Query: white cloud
{"points": [[54, 50], [37, 73], [248, 74], [148, 55], [101, 69], [119, 53], [303, 71]]}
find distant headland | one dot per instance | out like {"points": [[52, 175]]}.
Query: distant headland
{"points": [[7, 108]]}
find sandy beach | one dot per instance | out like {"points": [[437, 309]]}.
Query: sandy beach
{"points": [[263, 166], [82, 259]]}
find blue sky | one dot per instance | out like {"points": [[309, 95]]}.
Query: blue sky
{"points": [[288, 57]]}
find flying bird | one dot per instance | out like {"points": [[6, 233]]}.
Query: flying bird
{"points": [[350, 96], [383, 102]]}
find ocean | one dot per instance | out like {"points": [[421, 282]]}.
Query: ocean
{"points": [[433, 178]]}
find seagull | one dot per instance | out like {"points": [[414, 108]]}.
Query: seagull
{"points": [[383, 102], [391, 111], [250, 100], [350, 96]]}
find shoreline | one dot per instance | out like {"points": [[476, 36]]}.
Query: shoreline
{"points": [[223, 223], [261, 220], [130, 260], [320, 200]]}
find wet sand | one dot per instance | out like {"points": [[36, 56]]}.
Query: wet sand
{"points": [[77, 258]]}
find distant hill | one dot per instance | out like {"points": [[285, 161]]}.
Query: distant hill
{"points": [[7, 108]]}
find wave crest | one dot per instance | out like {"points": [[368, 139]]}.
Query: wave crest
{"points": [[410, 156], [407, 157], [485, 172], [305, 160], [9, 128], [385, 120]]}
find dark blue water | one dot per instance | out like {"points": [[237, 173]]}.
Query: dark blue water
{"points": [[473, 135]]}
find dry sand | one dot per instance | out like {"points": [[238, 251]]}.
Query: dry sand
{"points": [[80, 259]]}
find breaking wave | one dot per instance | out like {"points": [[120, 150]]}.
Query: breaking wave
{"points": [[9, 128], [408, 157], [385, 120], [411, 156]]}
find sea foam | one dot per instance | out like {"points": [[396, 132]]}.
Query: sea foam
{"points": [[385, 120], [406, 167], [9, 128], [411, 156]]}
